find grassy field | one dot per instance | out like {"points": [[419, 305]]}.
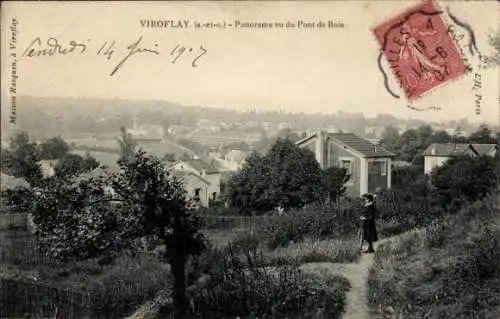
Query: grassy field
{"points": [[97, 149], [104, 158], [224, 138]]}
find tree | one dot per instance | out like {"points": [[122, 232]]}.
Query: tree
{"points": [[286, 176], [89, 162], [390, 137], [72, 165], [76, 219], [334, 180], [126, 143], [482, 135], [170, 157], [53, 148], [21, 159], [160, 205], [440, 136], [465, 178], [101, 216]]}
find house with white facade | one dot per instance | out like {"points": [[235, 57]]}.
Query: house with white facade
{"points": [[234, 160], [201, 180], [368, 164], [438, 153]]}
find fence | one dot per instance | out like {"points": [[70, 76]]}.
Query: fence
{"points": [[21, 252], [235, 222]]}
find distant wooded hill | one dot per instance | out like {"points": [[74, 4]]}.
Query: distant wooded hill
{"points": [[74, 117]]}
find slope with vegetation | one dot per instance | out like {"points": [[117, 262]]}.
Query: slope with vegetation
{"points": [[448, 265]]}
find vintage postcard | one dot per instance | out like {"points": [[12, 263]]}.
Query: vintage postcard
{"points": [[165, 159]]}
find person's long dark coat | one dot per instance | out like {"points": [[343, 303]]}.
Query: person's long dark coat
{"points": [[369, 228]]}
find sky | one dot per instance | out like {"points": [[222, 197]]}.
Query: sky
{"points": [[309, 70]]}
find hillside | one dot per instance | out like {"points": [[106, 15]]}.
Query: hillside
{"points": [[79, 117], [449, 269]]}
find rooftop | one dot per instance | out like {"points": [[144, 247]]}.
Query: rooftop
{"points": [[456, 149], [199, 165], [361, 145]]}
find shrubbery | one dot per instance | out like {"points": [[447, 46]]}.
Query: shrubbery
{"points": [[314, 221], [450, 269], [224, 286], [88, 288]]}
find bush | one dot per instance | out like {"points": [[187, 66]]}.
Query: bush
{"points": [[228, 288], [450, 269], [314, 221]]}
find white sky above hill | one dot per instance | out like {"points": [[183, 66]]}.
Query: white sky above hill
{"points": [[300, 70]]}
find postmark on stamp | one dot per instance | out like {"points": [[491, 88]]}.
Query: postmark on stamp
{"points": [[420, 50]]}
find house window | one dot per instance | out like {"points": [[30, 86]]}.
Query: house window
{"points": [[348, 164], [197, 193], [214, 195], [383, 168]]}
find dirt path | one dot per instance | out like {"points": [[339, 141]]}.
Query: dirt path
{"points": [[357, 274]]}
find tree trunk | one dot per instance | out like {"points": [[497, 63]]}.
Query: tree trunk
{"points": [[179, 287]]}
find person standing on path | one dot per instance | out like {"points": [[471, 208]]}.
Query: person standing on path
{"points": [[368, 218]]}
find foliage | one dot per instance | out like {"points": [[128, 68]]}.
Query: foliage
{"points": [[483, 135], [465, 178], [87, 288], [126, 143], [195, 147], [21, 159], [412, 143], [287, 176], [53, 148], [334, 180], [158, 207], [266, 143], [313, 251], [447, 270], [75, 220], [91, 217], [227, 288], [402, 177], [72, 165], [316, 221]]}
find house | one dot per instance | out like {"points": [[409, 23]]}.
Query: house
{"points": [[197, 187], [235, 159], [369, 165], [207, 181], [151, 132], [438, 153]]}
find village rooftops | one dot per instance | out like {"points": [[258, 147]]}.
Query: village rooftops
{"points": [[458, 149]]}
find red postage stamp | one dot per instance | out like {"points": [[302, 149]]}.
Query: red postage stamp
{"points": [[420, 49]]}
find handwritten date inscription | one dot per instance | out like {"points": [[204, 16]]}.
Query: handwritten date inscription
{"points": [[111, 50]]}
